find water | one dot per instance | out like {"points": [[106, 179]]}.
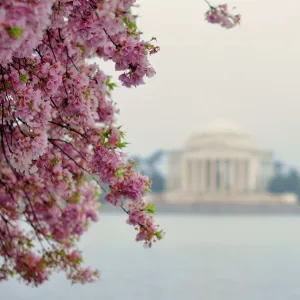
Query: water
{"points": [[202, 257]]}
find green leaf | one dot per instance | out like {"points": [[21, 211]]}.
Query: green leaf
{"points": [[122, 145], [147, 190], [72, 240], [81, 47], [119, 172], [7, 85], [75, 197], [30, 244], [158, 234], [110, 85], [31, 104], [149, 46], [42, 264], [130, 25], [15, 32], [86, 94], [23, 78], [11, 273], [122, 134], [106, 133], [78, 260], [97, 193], [54, 161], [150, 208]]}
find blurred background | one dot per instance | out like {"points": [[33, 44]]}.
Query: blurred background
{"points": [[217, 131]]}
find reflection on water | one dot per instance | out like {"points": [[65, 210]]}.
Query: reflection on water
{"points": [[202, 257]]}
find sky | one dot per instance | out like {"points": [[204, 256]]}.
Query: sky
{"points": [[248, 75]]}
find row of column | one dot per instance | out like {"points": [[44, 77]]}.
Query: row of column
{"points": [[216, 175]]}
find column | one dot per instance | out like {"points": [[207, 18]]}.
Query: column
{"points": [[186, 176], [236, 176], [223, 174], [190, 177], [199, 167], [218, 174], [199, 175], [183, 177], [228, 174], [239, 178], [194, 176], [207, 174], [253, 173], [263, 177], [246, 169], [203, 179], [212, 175], [232, 175], [241, 175]]}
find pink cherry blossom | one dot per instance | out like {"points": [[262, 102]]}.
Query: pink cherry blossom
{"points": [[220, 15], [58, 130]]}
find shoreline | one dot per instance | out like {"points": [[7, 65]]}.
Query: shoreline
{"points": [[219, 209]]}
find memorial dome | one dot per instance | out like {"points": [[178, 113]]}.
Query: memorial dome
{"points": [[221, 133]]}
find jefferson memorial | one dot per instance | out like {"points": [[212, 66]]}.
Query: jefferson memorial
{"points": [[220, 164]]}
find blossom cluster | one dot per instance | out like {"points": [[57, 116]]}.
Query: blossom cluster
{"points": [[22, 26], [57, 131], [220, 15]]}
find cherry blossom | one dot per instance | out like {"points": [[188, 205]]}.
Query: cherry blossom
{"points": [[59, 142], [58, 129], [220, 15]]}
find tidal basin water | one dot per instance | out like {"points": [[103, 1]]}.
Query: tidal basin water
{"points": [[202, 257]]}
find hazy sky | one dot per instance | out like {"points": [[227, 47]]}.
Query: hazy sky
{"points": [[248, 75]]}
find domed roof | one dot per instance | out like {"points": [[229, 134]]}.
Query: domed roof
{"points": [[222, 133], [222, 126]]}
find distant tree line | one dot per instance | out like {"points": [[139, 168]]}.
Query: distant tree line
{"points": [[285, 182]]}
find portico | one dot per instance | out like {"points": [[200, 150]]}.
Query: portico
{"points": [[212, 175], [222, 158], [221, 164]]}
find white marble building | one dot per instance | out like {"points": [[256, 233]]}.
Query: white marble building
{"points": [[221, 163]]}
